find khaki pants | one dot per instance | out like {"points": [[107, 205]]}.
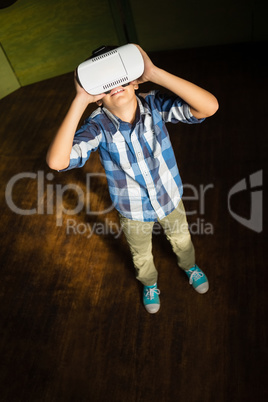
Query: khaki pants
{"points": [[139, 238]]}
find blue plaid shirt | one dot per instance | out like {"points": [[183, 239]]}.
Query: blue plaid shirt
{"points": [[139, 162]]}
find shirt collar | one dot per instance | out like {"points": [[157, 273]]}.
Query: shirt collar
{"points": [[143, 111], [111, 117]]}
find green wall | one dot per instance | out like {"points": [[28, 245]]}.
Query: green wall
{"points": [[8, 79], [46, 38], [40, 39], [190, 23]]}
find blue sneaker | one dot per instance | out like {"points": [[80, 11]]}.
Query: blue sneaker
{"points": [[198, 279], [151, 298]]}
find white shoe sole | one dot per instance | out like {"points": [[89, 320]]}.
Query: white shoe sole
{"points": [[202, 288], [152, 308]]}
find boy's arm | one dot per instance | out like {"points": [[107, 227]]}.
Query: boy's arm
{"points": [[58, 155], [202, 103]]}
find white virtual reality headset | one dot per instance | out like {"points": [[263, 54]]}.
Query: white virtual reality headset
{"points": [[106, 70]]}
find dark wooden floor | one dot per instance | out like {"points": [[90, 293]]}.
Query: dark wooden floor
{"points": [[73, 327]]}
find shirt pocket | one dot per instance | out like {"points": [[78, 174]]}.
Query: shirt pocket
{"points": [[152, 143], [118, 151]]}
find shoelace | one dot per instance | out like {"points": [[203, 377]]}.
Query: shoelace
{"points": [[195, 275], [151, 292]]}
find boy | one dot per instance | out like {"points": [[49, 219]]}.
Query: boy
{"points": [[144, 183]]}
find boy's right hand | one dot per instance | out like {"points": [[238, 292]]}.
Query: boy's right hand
{"points": [[84, 95]]}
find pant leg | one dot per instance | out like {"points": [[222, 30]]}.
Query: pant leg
{"points": [[139, 238], [176, 229]]}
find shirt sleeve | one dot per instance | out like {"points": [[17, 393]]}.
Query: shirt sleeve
{"points": [[173, 109], [86, 140]]}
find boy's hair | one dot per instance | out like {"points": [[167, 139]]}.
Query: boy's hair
{"points": [[101, 50]]}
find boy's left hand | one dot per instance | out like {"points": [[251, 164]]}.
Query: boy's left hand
{"points": [[149, 68]]}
